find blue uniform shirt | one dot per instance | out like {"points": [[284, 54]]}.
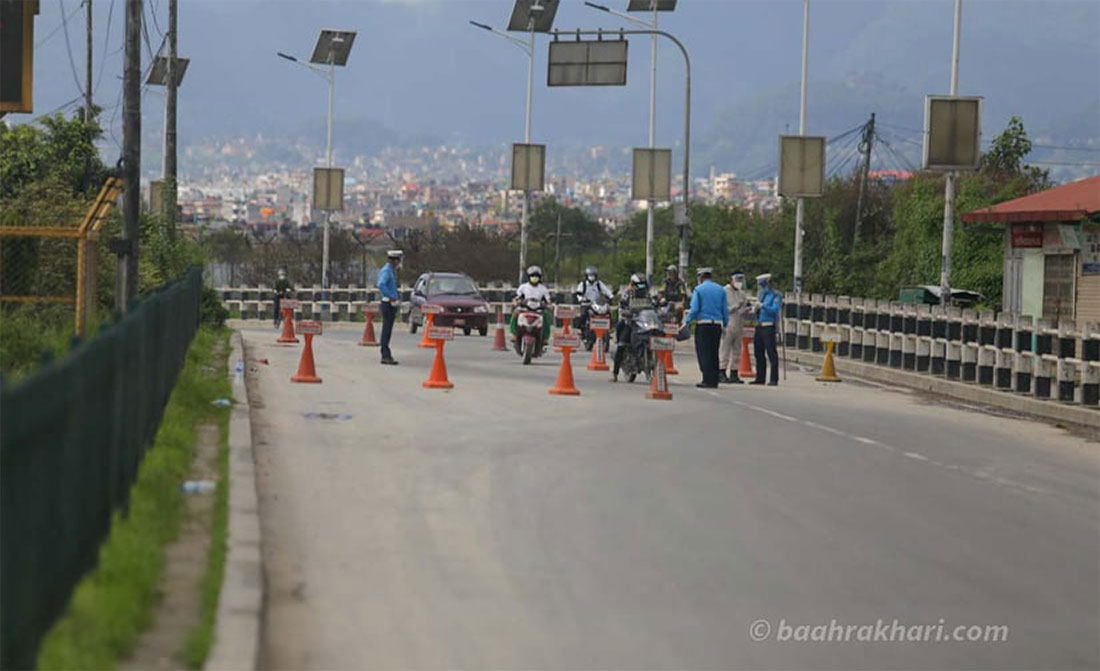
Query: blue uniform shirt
{"points": [[708, 301], [770, 302], [387, 282]]}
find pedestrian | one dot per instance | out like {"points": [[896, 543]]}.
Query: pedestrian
{"points": [[729, 358], [391, 301], [710, 312], [283, 289], [768, 306]]}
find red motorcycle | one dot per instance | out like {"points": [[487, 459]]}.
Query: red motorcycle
{"points": [[529, 342]]}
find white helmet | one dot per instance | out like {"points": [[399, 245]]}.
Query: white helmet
{"points": [[534, 270]]}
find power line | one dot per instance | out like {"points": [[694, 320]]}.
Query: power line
{"points": [[106, 41], [1070, 163], [1050, 146], [69, 46], [58, 27]]}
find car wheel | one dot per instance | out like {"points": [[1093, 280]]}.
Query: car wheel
{"points": [[483, 331], [466, 330]]}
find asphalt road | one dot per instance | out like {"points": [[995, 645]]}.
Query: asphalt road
{"points": [[496, 526]]}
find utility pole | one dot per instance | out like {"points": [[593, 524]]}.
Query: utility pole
{"points": [[557, 251], [800, 211], [949, 182], [131, 158], [170, 187], [865, 147], [88, 61]]}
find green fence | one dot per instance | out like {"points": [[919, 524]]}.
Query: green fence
{"points": [[71, 438]]}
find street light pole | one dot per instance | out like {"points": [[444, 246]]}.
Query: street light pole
{"points": [[949, 181], [328, 160], [800, 208]]}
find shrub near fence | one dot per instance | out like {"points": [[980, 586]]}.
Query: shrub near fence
{"points": [[72, 437]]}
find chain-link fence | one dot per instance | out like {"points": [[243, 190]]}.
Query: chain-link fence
{"points": [[72, 437]]}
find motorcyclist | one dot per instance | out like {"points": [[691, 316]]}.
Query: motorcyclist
{"points": [[638, 288], [589, 290], [533, 289], [283, 289], [674, 292]]}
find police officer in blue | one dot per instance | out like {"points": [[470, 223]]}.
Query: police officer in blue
{"points": [[769, 302], [391, 301], [710, 312]]}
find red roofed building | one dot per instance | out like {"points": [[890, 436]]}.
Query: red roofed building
{"points": [[1052, 251]]}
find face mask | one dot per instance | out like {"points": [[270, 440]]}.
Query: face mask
{"points": [[591, 278], [738, 284], [534, 279]]}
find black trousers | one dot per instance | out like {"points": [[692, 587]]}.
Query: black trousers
{"points": [[389, 314], [278, 311], [622, 341], [707, 339], [763, 342]]}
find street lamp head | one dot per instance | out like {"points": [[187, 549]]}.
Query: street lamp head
{"points": [[286, 56], [602, 8], [481, 25]]}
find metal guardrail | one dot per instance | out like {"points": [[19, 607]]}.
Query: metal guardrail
{"points": [[1006, 351], [72, 437]]}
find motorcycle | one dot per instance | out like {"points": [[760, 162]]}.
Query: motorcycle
{"points": [[644, 323], [601, 307], [529, 342]]}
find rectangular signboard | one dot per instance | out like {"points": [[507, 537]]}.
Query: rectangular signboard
{"points": [[570, 340], [640, 304], [528, 167], [661, 344], [309, 326], [429, 309], [672, 329], [373, 307], [952, 132], [441, 333], [289, 304], [565, 311], [587, 63], [801, 166], [652, 175], [328, 189], [600, 323]]}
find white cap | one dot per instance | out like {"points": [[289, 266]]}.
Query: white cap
{"points": [[395, 254], [704, 270], [766, 277]]}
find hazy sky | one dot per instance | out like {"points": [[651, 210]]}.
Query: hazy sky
{"points": [[418, 67]]}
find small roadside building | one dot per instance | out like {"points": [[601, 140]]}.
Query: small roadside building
{"points": [[1051, 251]]}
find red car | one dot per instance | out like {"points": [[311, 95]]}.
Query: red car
{"points": [[463, 306]]}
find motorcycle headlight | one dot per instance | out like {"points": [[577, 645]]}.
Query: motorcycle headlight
{"points": [[481, 308]]}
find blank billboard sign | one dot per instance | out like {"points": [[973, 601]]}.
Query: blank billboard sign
{"points": [[952, 133], [801, 166], [328, 189], [652, 175], [528, 166], [587, 63]]}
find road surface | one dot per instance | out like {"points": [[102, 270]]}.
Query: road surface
{"points": [[495, 526]]}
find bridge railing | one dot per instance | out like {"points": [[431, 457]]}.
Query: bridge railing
{"points": [[1014, 353], [71, 439]]}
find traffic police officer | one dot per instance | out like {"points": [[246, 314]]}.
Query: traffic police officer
{"points": [[391, 300], [769, 301], [710, 312]]}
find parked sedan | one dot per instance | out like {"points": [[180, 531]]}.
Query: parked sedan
{"points": [[463, 306]]}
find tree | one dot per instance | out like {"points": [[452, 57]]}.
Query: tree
{"points": [[1004, 161]]}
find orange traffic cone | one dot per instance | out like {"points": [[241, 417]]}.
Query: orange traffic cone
{"points": [[658, 383], [671, 366], [427, 342], [306, 370], [744, 371], [565, 386], [288, 327], [599, 356], [498, 338], [437, 379], [368, 332]]}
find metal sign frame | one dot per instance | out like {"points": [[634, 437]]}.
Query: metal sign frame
{"points": [[587, 63], [952, 130], [328, 189]]}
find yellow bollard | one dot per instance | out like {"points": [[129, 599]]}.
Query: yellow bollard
{"points": [[828, 369]]}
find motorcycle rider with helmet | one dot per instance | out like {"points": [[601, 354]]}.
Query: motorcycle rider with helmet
{"points": [[589, 290], [533, 289], [674, 292], [638, 288]]}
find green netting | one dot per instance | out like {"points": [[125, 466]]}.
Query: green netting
{"points": [[71, 438]]}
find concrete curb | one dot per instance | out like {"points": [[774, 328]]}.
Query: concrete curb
{"points": [[1049, 410], [240, 606]]}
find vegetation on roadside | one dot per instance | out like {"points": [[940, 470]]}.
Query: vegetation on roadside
{"points": [[113, 604]]}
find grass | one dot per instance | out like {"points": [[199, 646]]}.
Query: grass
{"points": [[29, 334], [201, 638], [113, 604]]}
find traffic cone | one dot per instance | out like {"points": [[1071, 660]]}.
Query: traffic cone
{"points": [[565, 386], [744, 371], [427, 342], [368, 332], [658, 383], [671, 366], [828, 369], [437, 379], [288, 327], [306, 370], [599, 356], [498, 338]]}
